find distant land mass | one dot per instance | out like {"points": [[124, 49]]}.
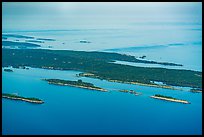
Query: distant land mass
{"points": [[46, 39], [19, 44], [35, 41], [99, 65], [16, 36], [136, 48], [5, 36]]}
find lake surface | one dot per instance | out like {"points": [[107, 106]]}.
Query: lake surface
{"points": [[71, 110], [176, 42], [163, 32]]}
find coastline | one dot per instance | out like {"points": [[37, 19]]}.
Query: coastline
{"points": [[125, 82], [62, 84], [22, 99], [149, 85], [102, 68], [171, 100]]}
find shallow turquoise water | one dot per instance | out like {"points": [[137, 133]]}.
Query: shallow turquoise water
{"points": [[71, 110]]}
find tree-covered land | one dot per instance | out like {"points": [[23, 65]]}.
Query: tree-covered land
{"points": [[13, 96], [130, 91], [78, 83], [99, 65], [8, 70], [196, 90], [45, 39], [168, 98], [158, 95], [84, 41]]}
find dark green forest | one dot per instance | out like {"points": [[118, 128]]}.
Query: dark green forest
{"points": [[99, 64], [75, 83], [16, 96]]}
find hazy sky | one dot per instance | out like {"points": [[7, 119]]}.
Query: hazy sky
{"points": [[74, 15]]}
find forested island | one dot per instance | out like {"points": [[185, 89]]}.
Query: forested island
{"points": [[197, 90], [168, 98], [45, 39], [131, 92], [16, 97], [99, 65], [78, 83], [8, 70], [84, 41]]}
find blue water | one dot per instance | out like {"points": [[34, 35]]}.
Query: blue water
{"points": [[176, 42], [188, 54], [71, 110], [163, 32]]}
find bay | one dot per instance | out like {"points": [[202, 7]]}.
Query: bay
{"points": [[71, 110]]}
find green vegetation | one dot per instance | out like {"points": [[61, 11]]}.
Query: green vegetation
{"points": [[45, 39], [168, 98], [78, 83], [162, 96], [142, 57], [99, 65], [16, 97], [8, 70], [130, 91], [84, 41], [196, 90]]}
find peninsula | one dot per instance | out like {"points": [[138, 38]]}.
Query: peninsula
{"points": [[99, 65], [151, 84], [78, 83], [16, 97], [168, 98]]}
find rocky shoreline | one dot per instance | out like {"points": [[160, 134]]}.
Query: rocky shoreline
{"points": [[172, 100], [22, 99], [125, 82], [91, 88]]}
